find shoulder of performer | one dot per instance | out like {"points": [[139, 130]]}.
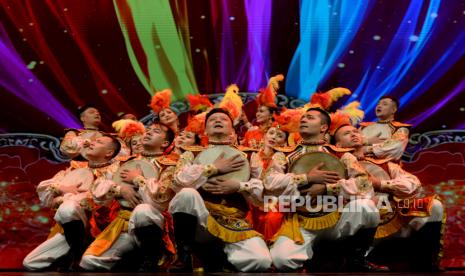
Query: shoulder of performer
{"points": [[399, 124], [335, 149], [125, 158], [377, 161], [365, 124], [245, 149], [287, 149], [75, 130], [168, 160], [194, 148], [78, 164], [129, 158]]}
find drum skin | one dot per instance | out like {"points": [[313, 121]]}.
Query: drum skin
{"points": [[308, 161]]}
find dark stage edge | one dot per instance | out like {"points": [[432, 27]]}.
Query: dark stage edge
{"points": [[19, 273]]}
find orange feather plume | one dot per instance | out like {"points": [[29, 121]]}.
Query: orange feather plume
{"points": [[199, 102], [128, 128], [327, 99], [289, 119], [161, 100], [196, 124]]}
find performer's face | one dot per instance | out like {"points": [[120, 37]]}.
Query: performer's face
{"points": [[263, 114], [275, 137], [129, 116], [91, 116], [99, 149], [385, 108], [155, 137], [167, 116], [218, 124], [136, 144], [185, 138], [311, 124], [348, 137]]}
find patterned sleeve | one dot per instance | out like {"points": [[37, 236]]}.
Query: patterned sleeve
{"points": [[357, 183], [403, 184], [394, 147], [189, 175], [277, 181]]}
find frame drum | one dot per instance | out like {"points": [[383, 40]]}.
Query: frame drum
{"points": [[209, 156]]}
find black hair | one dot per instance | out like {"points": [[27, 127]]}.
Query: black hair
{"points": [[83, 108], [169, 133], [394, 99], [115, 143], [218, 110], [324, 115]]}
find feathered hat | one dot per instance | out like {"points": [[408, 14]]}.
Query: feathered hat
{"points": [[232, 102], [327, 99], [196, 124], [161, 100], [199, 102], [349, 115], [127, 128], [289, 119], [267, 96]]}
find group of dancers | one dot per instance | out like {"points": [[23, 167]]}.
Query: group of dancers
{"points": [[163, 197]]}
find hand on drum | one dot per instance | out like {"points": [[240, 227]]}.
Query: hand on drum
{"points": [[227, 165], [376, 182], [130, 195], [72, 189], [314, 190], [129, 175], [316, 175], [221, 186]]}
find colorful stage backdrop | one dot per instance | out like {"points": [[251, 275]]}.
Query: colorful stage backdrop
{"points": [[56, 55]]}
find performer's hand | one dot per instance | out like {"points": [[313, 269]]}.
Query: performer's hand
{"points": [[221, 186], [375, 139], [130, 195], [57, 201], [129, 175], [375, 182], [314, 190], [226, 165], [319, 176], [86, 144], [65, 189]]}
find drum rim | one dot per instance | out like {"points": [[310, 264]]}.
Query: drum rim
{"points": [[291, 166], [244, 155]]}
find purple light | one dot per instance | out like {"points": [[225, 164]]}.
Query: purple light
{"points": [[258, 34], [18, 80], [427, 113]]}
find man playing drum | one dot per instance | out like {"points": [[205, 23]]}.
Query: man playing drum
{"points": [[295, 241], [68, 191], [211, 200], [412, 215], [146, 180]]}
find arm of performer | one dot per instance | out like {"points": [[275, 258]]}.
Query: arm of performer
{"points": [[392, 148], [72, 144], [192, 175], [403, 184], [156, 190], [53, 191], [278, 182], [357, 184]]}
